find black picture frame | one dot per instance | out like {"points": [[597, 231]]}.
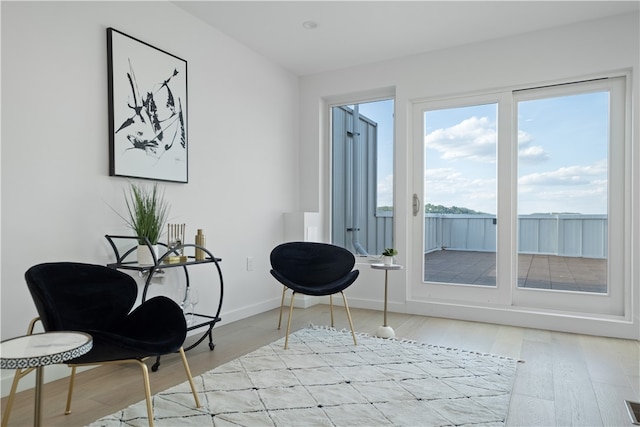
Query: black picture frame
{"points": [[147, 92]]}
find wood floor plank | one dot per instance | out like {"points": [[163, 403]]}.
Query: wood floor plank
{"points": [[609, 400], [527, 411], [508, 342], [534, 377], [610, 360], [434, 331], [575, 400], [576, 404]]}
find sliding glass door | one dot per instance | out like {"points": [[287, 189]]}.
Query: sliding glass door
{"points": [[519, 198], [456, 209], [570, 173]]}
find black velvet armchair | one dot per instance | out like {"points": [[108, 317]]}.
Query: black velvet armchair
{"points": [[311, 268], [98, 300]]}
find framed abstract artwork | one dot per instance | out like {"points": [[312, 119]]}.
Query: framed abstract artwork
{"points": [[147, 111]]}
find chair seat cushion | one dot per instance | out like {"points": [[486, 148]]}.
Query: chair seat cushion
{"points": [[318, 290], [154, 328], [109, 347]]}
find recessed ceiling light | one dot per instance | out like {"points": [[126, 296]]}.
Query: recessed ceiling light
{"points": [[309, 25]]}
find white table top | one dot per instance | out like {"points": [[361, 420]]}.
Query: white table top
{"points": [[30, 351], [387, 266]]}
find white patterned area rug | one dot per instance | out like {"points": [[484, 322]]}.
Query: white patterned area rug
{"points": [[324, 380]]}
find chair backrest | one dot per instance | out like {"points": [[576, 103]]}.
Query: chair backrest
{"points": [[76, 296], [312, 263]]}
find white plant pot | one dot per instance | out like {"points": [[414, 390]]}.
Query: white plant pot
{"points": [[388, 260], [144, 254]]}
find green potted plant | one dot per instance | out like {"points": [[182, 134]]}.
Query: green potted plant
{"points": [[388, 255], [147, 214]]}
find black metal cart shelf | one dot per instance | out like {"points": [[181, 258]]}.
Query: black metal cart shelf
{"points": [[200, 320]]}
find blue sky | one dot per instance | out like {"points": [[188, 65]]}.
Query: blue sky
{"points": [[460, 157], [381, 112], [563, 146], [562, 155]]}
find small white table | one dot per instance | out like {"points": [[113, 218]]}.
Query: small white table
{"points": [[39, 350], [386, 331]]}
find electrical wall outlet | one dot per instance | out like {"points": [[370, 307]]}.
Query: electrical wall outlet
{"points": [[249, 263]]}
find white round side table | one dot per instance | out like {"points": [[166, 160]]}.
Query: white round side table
{"points": [[39, 350], [386, 331]]}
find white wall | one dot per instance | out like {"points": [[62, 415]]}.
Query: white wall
{"points": [[56, 191], [562, 54]]}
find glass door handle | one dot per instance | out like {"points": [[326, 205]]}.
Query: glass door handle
{"points": [[416, 204]]}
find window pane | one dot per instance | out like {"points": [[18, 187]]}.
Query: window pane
{"points": [[362, 176], [562, 192], [460, 195]]}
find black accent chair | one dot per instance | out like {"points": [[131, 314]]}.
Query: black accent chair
{"points": [[98, 300], [311, 268]]}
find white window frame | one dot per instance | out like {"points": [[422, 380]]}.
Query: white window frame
{"points": [[460, 293], [613, 302]]}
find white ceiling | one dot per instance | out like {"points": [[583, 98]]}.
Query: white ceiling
{"points": [[352, 33]]}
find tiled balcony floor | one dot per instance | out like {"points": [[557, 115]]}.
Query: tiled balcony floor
{"points": [[534, 271]]}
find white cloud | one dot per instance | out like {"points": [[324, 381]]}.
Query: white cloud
{"points": [[473, 138], [569, 175], [576, 188], [591, 199], [448, 187], [580, 189], [530, 153]]}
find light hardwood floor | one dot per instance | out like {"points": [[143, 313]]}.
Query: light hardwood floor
{"points": [[566, 379]]}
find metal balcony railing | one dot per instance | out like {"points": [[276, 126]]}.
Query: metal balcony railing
{"points": [[569, 235]]}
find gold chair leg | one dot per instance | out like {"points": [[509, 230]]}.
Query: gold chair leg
{"points": [[346, 306], [20, 373], [147, 390], [67, 410], [331, 308], [145, 380], [286, 340], [189, 377], [284, 289]]}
